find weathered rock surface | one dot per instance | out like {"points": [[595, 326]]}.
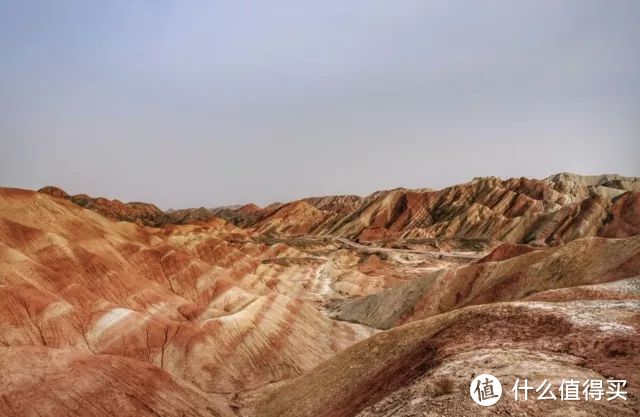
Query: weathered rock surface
{"points": [[136, 212], [203, 306], [552, 211], [424, 368], [507, 251], [277, 311], [581, 262], [558, 209], [624, 217], [39, 381]]}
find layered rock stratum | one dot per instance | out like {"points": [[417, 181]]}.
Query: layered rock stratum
{"points": [[385, 305], [552, 211]]}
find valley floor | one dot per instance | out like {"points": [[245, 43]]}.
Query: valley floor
{"points": [[244, 317]]}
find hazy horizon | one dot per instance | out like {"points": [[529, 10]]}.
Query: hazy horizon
{"points": [[301, 197], [210, 104]]}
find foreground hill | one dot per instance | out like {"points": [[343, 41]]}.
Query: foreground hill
{"points": [[386, 305], [206, 308], [424, 368], [578, 316]]}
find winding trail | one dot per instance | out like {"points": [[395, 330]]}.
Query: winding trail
{"points": [[435, 255]]}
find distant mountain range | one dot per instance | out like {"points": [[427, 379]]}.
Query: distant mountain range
{"points": [[342, 306], [560, 208]]}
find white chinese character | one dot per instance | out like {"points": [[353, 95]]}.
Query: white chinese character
{"points": [[570, 390], [525, 388], [485, 390], [615, 389], [593, 389], [547, 394]]}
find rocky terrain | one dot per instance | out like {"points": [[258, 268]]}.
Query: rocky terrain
{"points": [[385, 305], [424, 368], [552, 211], [580, 262]]}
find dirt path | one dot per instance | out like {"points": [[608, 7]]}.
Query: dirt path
{"points": [[435, 255]]}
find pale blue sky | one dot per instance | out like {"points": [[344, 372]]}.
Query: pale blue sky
{"points": [[190, 103]]}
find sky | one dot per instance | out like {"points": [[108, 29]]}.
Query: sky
{"points": [[209, 103]]}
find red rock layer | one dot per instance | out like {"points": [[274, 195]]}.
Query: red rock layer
{"points": [[506, 251], [56, 382], [624, 217], [517, 210], [583, 261], [202, 306], [141, 213], [425, 368]]}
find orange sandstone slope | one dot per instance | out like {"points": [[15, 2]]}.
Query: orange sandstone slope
{"points": [[136, 212], [552, 211], [518, 210], [197, 310], [571, 311], [580, 262], [424, 368], [43, 381], [210, 307]]}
